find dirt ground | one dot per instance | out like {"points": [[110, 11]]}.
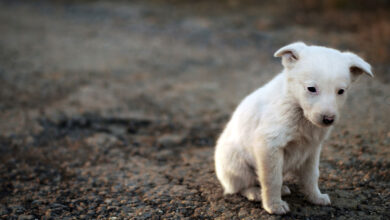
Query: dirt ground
{"points": [[112, 109]]}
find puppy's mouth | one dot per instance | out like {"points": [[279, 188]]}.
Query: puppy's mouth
{"points": [[321, 125], [311, 121], [318, 123]]}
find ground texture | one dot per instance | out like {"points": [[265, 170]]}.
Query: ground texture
{"points": [[112, 109]]}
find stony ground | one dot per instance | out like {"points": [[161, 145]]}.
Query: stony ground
{"points": [[112, 110]]}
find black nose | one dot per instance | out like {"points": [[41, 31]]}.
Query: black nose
{"points": [[327, 120]]}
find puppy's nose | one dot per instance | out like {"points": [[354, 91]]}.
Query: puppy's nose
{"points": [[328, 120]]}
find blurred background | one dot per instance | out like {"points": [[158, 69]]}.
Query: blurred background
{"points": [[110, 109]]}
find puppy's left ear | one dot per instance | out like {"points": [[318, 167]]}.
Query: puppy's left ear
{"points": [[290, 54], [358, 66]]}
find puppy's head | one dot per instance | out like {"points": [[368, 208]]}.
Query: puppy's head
{"points": [[319, 79]]}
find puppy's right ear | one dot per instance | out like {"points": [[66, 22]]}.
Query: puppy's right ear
{"points": [[358, 66], [290, 53]]}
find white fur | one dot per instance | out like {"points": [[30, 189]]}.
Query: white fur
{"points": [[279, 128]]}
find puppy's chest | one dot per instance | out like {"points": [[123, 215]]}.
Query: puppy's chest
{"points": [[295, 155], [299, 149]]}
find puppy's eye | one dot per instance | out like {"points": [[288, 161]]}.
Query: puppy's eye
{"points": [[340, 92], [312, 89]]}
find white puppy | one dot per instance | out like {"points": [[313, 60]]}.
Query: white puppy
{"points": [[280, 127]]}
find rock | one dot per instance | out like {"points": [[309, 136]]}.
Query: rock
{"points": [[102, 140], [345, 203], [243, 213], [108, 201], [170, 140], [36, 203], [18, 209], [146, 215], [57, 206], [25, 217], [48, 213], [3, 210]]}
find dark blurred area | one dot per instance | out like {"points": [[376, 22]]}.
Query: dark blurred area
{"points": [[111, 109], [368, 22]]}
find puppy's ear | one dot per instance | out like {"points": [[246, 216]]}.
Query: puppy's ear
{"points": [[290, 53], [357, 66]]}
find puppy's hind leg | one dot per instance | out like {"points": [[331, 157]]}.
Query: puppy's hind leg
{"points": [[232, 171], [240, 180], [252, 193]]}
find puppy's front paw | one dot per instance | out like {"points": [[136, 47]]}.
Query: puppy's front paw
{"points": [[321, 199], [279, 208]]}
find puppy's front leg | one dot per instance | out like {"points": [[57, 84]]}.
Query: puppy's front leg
{"points": [[309, 174], [270, 170]]}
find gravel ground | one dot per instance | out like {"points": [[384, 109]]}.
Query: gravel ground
{"points": [[112, 109]]}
